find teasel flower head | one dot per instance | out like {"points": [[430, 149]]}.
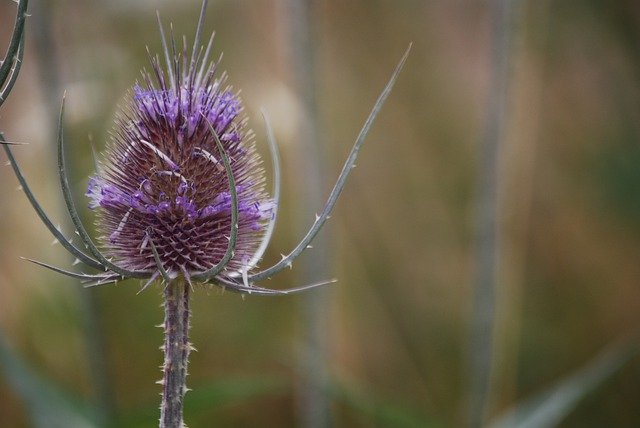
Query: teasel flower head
{"points": [[180, 188], [163, 179]]}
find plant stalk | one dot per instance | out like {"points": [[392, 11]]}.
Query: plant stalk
{"points": [[176, 353], [487, 252], [313, 407]]}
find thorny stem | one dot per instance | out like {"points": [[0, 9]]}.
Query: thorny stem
{"points": [[176, 353]]}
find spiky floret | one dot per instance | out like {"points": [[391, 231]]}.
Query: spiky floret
{"points": [[162, 179]]}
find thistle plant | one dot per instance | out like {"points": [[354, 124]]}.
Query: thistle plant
{"points": [[180, 195]]}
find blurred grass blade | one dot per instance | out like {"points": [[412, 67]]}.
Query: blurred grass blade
{"points": [[487, 211], [48, 406], [204, 399], [381, 412], [233, 391], [550, 407]]}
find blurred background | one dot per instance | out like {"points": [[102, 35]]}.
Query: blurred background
{"points": [[396, 337]]}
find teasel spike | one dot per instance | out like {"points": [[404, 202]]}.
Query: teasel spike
{"points": [[165, 48]]}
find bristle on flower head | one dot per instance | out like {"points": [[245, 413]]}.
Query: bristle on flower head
{"points": [[163, 179]]}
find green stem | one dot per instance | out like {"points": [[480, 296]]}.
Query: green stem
{"points": [[176, 353]]}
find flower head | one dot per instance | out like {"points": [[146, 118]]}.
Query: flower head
{"points": [[181, 187], [163, 179]]}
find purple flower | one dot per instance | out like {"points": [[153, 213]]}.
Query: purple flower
{"points": [[164, 181], [181, 192]]}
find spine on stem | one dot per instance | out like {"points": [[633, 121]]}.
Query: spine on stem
{"points": [[176, 353]]}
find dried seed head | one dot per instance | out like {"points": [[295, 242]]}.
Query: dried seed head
{"points": [[163, 181]]}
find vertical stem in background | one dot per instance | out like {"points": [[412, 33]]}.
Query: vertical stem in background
{"points": [[486, 257], [176, 353], [526, 115], [48, 68], [312, 403]]}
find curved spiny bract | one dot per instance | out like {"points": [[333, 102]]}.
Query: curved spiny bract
{"points": [[13, 74], [342, 178], [275, 161], [82, 276], [75, 251], [231, 285], [233, 233], [75, 218], [17, 39]]}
